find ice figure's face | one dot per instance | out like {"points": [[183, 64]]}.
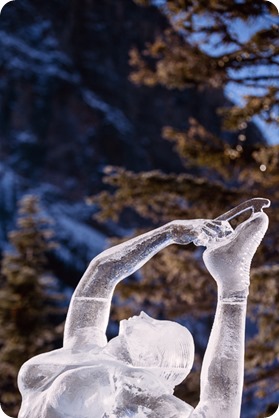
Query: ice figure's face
{"points": [[139, 327], [163, 346]]}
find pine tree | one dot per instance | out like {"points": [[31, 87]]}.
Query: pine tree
{"points": [[217, 175], [29, 312], [207, 45]]}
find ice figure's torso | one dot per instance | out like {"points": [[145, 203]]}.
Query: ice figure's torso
{"points": [[64, 384]]}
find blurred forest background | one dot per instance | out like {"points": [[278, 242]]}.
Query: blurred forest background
{"points": [[119, 116]]}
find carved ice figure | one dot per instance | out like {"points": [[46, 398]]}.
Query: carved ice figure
{"points": [[134, 374]]}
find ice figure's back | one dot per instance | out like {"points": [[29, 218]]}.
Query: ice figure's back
{"points": [[63, 384]]}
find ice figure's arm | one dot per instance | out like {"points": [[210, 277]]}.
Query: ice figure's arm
{"points": [[90, 304], [223, 365]]}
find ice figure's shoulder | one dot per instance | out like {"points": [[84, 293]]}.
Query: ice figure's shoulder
{"points": [[41, 370], [64, 356]]}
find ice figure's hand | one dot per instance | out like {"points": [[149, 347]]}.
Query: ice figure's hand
{"points": [[212, 231], [229, 260], [200, 231]]}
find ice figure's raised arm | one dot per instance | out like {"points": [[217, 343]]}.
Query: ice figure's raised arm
{"points": [[89, 309], [229, 262]]}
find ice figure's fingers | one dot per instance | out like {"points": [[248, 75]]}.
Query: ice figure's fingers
{"points": [[213, 231], [220, 228], [210, 231], [2, 414]]}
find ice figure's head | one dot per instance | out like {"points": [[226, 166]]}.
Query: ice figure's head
{"points": [[164, 346]]}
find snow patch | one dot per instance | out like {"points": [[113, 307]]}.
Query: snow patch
{"points": [[115, 116], [17, 54]]}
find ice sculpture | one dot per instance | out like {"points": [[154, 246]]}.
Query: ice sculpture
{"points": [[134, 374]]}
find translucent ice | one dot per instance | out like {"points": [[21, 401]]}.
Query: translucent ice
{"points": [[134, 374]]}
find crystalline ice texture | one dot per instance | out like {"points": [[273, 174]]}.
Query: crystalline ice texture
{"points": [[134, 374]]}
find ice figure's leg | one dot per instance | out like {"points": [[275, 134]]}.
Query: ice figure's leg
{"points": [[228, 261]]}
